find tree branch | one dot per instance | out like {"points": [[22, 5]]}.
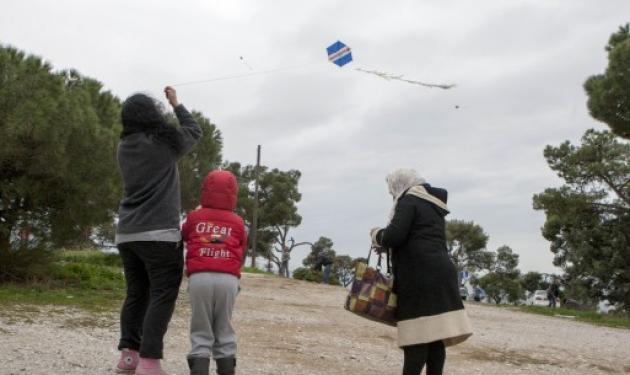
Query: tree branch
{"points": [[299, 244], [612, 208], [614, 188]]}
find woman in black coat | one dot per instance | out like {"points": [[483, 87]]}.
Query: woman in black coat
{"points": [[430, 313]]}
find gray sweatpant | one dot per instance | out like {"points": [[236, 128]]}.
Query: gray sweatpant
{"points": [[212, 296]]}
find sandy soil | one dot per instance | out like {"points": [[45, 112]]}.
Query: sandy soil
{"points": [[292, 327]]}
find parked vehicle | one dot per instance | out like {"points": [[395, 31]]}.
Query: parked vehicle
{"points": [[463, 292], [572, 304], [538, 298], [605, 307], [479, 294]]}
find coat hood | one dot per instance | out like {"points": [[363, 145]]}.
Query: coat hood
{"points": [[220, 191], [439, 193]]}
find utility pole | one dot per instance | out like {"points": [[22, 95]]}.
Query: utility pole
{"points": [[255, 218]]}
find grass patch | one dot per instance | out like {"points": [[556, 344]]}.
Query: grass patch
{"points": [[40, 294], [255, 270], [88, 279], [94, 257], [607, 320]]}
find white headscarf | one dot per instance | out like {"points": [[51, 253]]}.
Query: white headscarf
{"points": [[400, 180]]}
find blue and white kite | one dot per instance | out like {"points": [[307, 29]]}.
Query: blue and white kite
{"points": [[339, 54]]}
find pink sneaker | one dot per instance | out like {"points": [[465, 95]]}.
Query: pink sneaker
{"points": [[128, 361], [149, 366]]}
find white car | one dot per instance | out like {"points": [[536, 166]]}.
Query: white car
{"points": [[605, 307], [539, 298]]}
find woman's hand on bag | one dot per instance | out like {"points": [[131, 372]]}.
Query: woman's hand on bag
{"points": [[373, 233]]}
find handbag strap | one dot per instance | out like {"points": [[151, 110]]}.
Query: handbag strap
{"points": [[379, 261]]}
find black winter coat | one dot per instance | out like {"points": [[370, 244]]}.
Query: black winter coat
{"points": [[425, 278]]}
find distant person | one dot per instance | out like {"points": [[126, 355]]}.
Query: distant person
{"points": [[148, 236], [477, 293], [284, 267], [326, 261], [553, 293], [430, 313], [216, 241]]}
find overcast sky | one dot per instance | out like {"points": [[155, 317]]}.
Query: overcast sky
{"points": [[519, 66]]}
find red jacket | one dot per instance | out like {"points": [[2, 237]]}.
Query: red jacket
{"points": [[215, 236]]}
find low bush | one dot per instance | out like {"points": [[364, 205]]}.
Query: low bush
{"points": [[89, 279], [255, 270], [87, 276], [24, 264], [95, 257]]}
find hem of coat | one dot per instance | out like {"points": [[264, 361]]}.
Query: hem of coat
{"points": [[452, 328]]}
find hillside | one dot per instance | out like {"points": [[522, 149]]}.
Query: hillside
{"points": [[293, 327]]}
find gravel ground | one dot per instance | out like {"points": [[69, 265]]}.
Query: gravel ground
{"points": [[292, 327]]}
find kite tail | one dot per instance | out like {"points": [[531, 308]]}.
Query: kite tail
{"points": [[390, 76]]}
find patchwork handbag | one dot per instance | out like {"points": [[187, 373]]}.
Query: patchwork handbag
{"points": [[371, 293]]}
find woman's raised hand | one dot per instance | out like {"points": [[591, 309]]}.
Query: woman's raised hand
{"points": [[171, 95]]}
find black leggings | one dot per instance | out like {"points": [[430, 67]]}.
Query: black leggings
{"points": [[153, 272], [433, 354]]}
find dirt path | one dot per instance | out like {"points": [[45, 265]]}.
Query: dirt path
{"points": [[292, 327]]}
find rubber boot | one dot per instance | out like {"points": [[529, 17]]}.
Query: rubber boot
{"points": [[199, 366], [226, 366]]}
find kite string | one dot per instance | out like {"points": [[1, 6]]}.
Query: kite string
{"points": [[237, 76], [386, 76]]}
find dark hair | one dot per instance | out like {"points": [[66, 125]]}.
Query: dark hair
{"points": [[143, 114]]}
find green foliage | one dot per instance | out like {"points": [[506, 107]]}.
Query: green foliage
{"points": [[533, 281], [498, 287], [609, 93], [607, 320], [59, 179], [466, 242], [203, 158], [87, 276], [105, 233], [46, 294], [321, 245], [343, 269], [93, 257], [503, 281], [579, 289], [506, 261], [24, 264], [58, 173], [88, 279], [589, 216], [255, 270], [307, 274]]}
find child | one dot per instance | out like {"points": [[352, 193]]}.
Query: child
{"points": [[216, 241]]}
